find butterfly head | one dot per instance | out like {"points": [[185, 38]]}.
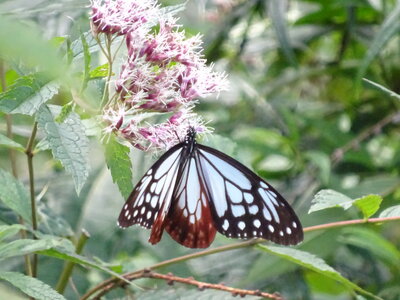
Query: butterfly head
{"points": [[190, 136]]}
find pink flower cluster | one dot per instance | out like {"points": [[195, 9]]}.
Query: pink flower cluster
{"points": [[163, 76]]}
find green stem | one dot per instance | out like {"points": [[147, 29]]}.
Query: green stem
{"points": [[29, 153], [68, 266], [108, 55], [13, 161], [109, 284]]}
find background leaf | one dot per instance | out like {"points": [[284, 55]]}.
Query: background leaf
{"points": [[14, 195], [313, 263], [68, 143], [368, 205], [5, 141], [31, 286]]}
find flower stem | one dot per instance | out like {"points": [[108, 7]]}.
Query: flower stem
{"points": [[29, 153], [107, 53], [68, 266]]}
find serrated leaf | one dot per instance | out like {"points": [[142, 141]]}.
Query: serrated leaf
{"points": [[389, 28], [100, 71], [313, 263], [9, 230], [31, 286], [393, 211], [329, 198], [27, 94], [27, 246], [68, 143], [120, 165], [373, 242], [368, 204], [14, 195], [9, 143]]}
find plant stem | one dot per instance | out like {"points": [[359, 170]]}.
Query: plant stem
{"points": [[29, 153], [108, 55], [68, 266], [13, 161], [115, 282]]}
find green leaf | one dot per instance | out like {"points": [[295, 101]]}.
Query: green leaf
{"points": [[329, 198], [373, 242], [27, 94], [66, 254], [9, 143], [389, 29], [31, 286], [313, 263], [100, 71], [14, 195], [381, 88], [120, 165], [277, 13], [68, 143], [65, 111], [25, 43], [393, 211], [27, 246], [9, 230], [87, 59], [368, 204]]}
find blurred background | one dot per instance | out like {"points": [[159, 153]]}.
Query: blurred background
{"points": [[297, 112]]}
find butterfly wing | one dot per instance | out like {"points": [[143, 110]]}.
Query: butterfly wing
{"points": [[189, 220], [242, 204], [150, 200]]}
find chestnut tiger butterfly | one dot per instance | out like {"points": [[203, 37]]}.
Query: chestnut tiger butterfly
{"points": [[192, 191]]}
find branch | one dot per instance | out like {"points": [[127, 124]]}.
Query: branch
{"points": [[115, 282], [170, 279]]}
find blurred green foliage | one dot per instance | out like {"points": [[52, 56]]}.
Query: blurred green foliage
{"points": [[298, 112]]}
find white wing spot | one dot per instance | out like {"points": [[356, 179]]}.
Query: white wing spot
{"points": [[248, 198], [234, 193], [238, 210], [271, 228], [153, 187], [153, 202], [126, 206], [257, 223], [262, 184], [288, 230], [192, 219], [142, 210], [294, 224], [281, 233], [129, 217], [253, 209], [242, 225], [148, 214], [126, 213], [135, 213], [254, 233], [147, 198], [225, 226]]}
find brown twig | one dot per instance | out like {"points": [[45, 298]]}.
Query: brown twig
{"points": [[112, 283], [171, 279]]}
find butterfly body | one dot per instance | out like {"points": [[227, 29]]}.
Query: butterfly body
{"points": [[193, 191]]}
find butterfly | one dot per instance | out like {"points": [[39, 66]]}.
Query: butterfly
{"points": [[192, 191]]}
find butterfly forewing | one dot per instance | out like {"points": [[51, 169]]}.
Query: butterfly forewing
{"points": [[189, 220], [242, 204], [150, 199]]}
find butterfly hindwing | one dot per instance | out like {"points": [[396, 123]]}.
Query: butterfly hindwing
{"points": [[189, 221], [243, 205], [150, 199]]}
